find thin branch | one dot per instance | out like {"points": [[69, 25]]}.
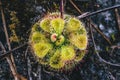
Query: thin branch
{"points": [[12, 66], [10, 63], [10, 58], [75, 7], [94, 26], [99, 11], [62, 8], [10, 51], [117, 18], [28, 65], [95, 48]]}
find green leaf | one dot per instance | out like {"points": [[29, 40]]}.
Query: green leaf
{"points": [[45, 24], [58, 25]]}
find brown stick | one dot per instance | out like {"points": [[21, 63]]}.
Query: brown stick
{"points": [[75, 7], [10, 63], [117, 18], [9, 58], [99, 11], [62, 8], [10, 51], [95, 49], [93, 25]]}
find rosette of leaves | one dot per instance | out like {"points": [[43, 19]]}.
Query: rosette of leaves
{"points": [[58, 43]]}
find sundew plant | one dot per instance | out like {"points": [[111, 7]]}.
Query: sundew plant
{"points": [[59, 44]]}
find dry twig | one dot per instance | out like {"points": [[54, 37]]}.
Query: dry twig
{"points": [[95, 48], [10, 51], [16, 75], [62, 8], [99, 11], [9, 58], [117, 19]]}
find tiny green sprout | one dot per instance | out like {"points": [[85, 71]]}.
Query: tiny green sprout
{"points": [[60, 40]]}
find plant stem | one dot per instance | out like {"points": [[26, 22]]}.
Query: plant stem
{"points": [[62, 9]]}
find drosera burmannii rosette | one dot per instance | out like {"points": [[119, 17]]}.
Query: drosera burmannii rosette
{"points": [[58, 43]]}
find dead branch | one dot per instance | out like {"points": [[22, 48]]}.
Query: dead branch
{"points": [[117, 18], [75, 7], [99, 11], [94, 26], [16, 75], [62, 8], [10, 58], [95, 49], [10, 51]]}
